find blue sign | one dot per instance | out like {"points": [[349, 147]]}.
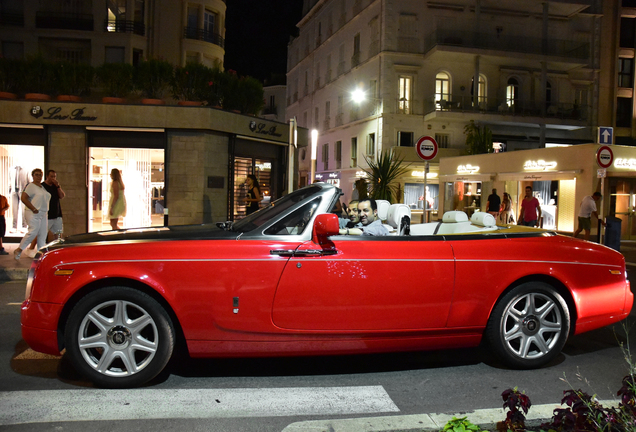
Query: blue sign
{"points": [[605, 135]]}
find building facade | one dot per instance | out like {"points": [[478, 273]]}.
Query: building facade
{"points": [[526, 69], [101, 31], [180, 165]]}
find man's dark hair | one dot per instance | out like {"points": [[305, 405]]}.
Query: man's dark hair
{"points": [[597, 194], [374, 205], [49, 172]]}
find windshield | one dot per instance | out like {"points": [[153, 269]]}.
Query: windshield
{"points": [[279, 206]]}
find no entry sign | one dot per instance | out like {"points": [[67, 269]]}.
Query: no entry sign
{"points": [[426, 148], [604, 157]]}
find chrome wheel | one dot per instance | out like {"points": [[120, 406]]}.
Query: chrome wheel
{"points": [[532, 325], [118, 338], [529, 325]]}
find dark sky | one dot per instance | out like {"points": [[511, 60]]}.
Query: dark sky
{"points": [[257, 34]]}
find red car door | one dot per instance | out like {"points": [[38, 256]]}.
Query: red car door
{"points": [[369, 283]]}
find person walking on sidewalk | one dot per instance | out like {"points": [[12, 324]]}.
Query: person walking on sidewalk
{"points": [[36, 199], [4, 205], [588, 208]]}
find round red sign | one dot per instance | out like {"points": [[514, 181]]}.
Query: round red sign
{"points": [[604, 157], [426, 148]]}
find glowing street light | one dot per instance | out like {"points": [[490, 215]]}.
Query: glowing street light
{"points": [[358, 96]]}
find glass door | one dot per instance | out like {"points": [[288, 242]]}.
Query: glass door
{"points": [[623, 205]]}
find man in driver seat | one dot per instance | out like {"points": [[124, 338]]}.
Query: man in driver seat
{"points": [[370, 224]]}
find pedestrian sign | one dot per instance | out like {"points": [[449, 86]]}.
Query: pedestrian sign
{"points": [[605, 135]]}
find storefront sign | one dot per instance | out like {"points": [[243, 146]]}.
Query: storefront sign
{"points": [[264, 129], [625, 163], [421, 174], [56, 113], [361, 174], [264, 166], [539, 165], [328, 175], [467, 169]]}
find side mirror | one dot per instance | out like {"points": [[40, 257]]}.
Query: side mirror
{"points": [[325, 225]]}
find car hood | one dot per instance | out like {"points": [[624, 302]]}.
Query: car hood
{"points": [[180, 232]]}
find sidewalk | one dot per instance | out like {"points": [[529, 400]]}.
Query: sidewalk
{"points": [[10, 269]]}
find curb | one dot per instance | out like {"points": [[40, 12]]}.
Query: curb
{"points": [[485, 418], [13, 274]]}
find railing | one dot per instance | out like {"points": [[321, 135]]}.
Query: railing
{"points": [[341, 68], [204, 35], [339, 119], [12, 19], [326, 124], [125, 26], [62, 20], [518, 107], [509, 43], [355, 59], [270, 110]]}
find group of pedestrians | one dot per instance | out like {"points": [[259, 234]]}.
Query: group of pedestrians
{"points": [[43, 212]]}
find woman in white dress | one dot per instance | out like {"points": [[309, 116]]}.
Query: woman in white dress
{"points": [[36, 200], [117, 206]]}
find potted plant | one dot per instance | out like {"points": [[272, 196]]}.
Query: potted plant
{"points": [[250, 95], [75, 80], [191, 83], [11, 74], [116, 80], [152, 77], [39, 79], [220, 89]]}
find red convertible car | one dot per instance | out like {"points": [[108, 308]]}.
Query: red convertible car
{"points": [[283, 282]]}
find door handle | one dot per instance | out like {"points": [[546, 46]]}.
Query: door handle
{"points": [[282, 252]]}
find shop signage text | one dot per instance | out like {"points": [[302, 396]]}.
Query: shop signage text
{"points": [[467, 169], [331, 175], [361, 174], [56, 113], [539, 165], [264, 166], [421, 174], [262, 128], [625, 163]]}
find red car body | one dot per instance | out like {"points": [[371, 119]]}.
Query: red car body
{"points": [[233, 294]]}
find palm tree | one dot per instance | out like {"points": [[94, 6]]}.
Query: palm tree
{"points": [[384, 174]]}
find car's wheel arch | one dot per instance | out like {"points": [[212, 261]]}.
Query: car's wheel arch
{"points": [[123, 282], [555, 283]]}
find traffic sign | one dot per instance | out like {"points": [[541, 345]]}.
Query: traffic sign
{"points": [[426, 148], [604, 157], [605, 135]]}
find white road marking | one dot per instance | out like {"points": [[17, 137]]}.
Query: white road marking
{"points": [[91, 404], [14, 304], [630, 264]]}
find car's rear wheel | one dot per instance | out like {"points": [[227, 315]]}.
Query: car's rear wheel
{"points": [[119, 337], [529, 325]]}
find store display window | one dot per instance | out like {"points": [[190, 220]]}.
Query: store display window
{"points": [[262, 169], [16, 164], [143, 175]]}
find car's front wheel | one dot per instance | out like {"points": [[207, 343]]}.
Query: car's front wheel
{"points": [[119, 337], [529, 325]]}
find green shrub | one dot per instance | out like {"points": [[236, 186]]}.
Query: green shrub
{"points": [[192, 82], [152, 77], [116, 79]]}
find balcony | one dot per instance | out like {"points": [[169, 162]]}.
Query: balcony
{"points": [[124, 26], [339, 119], [505, 107], [509, 43], [63, 20], [203, 35], [273, 110], [355, 59], [12, 19]]}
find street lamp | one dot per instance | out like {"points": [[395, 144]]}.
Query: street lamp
{"points": [[314, 145], [358, 96]]}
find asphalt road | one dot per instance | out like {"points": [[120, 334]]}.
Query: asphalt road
{"points": [[269, 394]]}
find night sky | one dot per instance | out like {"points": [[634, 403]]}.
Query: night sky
{"points": [[257, 34]]}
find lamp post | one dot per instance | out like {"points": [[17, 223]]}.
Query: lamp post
{"points": [[291, 158], [314, 145]]}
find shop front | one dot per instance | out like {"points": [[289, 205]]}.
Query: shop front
{"points": [[560, 177], [179, 165]]}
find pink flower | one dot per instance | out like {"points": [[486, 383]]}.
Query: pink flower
{"points": [[210, 83]]}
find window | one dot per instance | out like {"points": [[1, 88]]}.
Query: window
{"points": [[325, 157], [305, 120], [371, 145], [624, 110], [481, 90], [442, 140], [338, 154], [316, 117], [442, 86], [114, 55], [354, 152], [341, 60], [272, 101], [355, 58], [626, 72], [628, 32], [405, 139], [138, 56], [404, 95], [512, 92], [139, 11], [193, 22], [328, 76], [327, 109], [209, 23]]}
